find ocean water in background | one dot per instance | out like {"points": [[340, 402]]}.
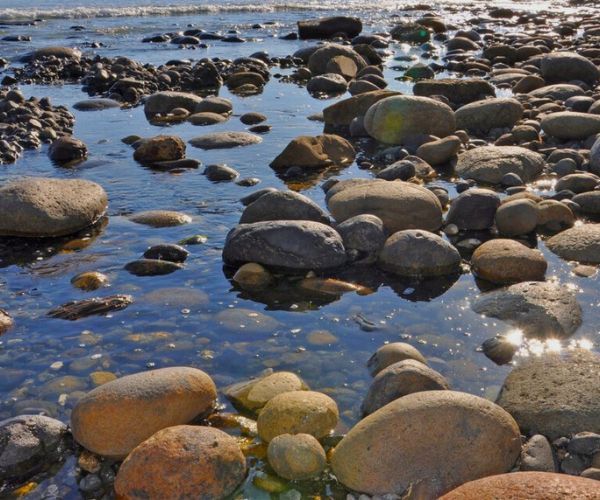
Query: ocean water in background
{"points": [[196, 316]]}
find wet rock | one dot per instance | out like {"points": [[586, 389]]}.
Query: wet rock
{"points": [[295, 245], [459, 91], [395, 119], [473, 209], [489, 164], [240, 319], [580, 243], [214, 104], [6, 322], [170, 252], [252, 118], [537, 455], [445, 431], [100, 305], [96, 104], [548, 395], [327, 27], [319, 59], [182, 462], [554, 216], [589, 203], [392, 353], [206, 118], [283, 205], [56, 52], [252, 275], [400, 205], [90, 280], [315, 152], [67, 151], [566, 125], [558, 92], [252, 197], [328, 84], [506, 261], [296, 456], [418, 253], [343, 66], [160, 218], [30, 444], [440, 151], [220, 173], [567, 66], [298, 412], [225, 140], [547, 485], [162, 103], [45, 207], [114, 418], [540, 309], [401, 170], [152, 267], [363, 234], [160, 148], [339, 116], [584, 443], [398, 380], [480, 117], [256, 393], [517, 217]]}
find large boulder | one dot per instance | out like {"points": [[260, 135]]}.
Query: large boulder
{"points": [[400, 379], [483, 116], [473, 209], [320, 58], [489, 164], [457, 90], [505, 261], [580, 243], [530, 485], [180, 462], [327, 27], [28, 445], [558, 92], [567, 66], [418, 253], [55, 52], [298, 412], [294, 245], [556, 394], [396, 119], [435, 439], [114, 418], [43, 207], [340, 114], [568, 125], [400, 205], [283, 205], [164, 102], [315, 152], [540, 309]]}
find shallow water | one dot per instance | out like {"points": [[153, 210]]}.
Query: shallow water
{"points": [[196, 316]]}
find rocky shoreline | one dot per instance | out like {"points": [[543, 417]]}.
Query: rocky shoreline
{"points": [[515, 130]]}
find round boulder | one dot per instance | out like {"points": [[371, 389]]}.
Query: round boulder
{"points": [[580, 243], [283, 205], [164, 102], [363, 234], [44, 207], [400, 379], [320, 58], [114, 418], [420, 254], [400, 205], [548, 395], [489, 164], [506, 261], [67, 150], [298, 412], [567, 125], [517, 217], [437, 439], [395, 119], [392, 353], [296, 456], [567, 66], [483, 116], [160, 148], [473, 209], [180, 462]]}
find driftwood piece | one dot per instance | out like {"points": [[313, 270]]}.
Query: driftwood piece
{"points": [[89, 307]]}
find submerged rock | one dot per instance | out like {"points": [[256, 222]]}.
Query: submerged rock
{"points": [[446, 438], [225, 140], [540, 309], [183, 461], [67, 151], [114, 418], [100, 305], [392, 353]]}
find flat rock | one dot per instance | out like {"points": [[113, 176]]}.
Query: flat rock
{"points": [[96, 104], [44, 207], [568, 125], [579, 243], [114, 418], [164, 102], [160, 218], [225, 140], [540, 309], [57, 52], [555, 394]]}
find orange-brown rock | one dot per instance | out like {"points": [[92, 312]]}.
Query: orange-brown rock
{"points": [[160, 148], [114, 418], [315, 152], [527, 486], [182, 462]]}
